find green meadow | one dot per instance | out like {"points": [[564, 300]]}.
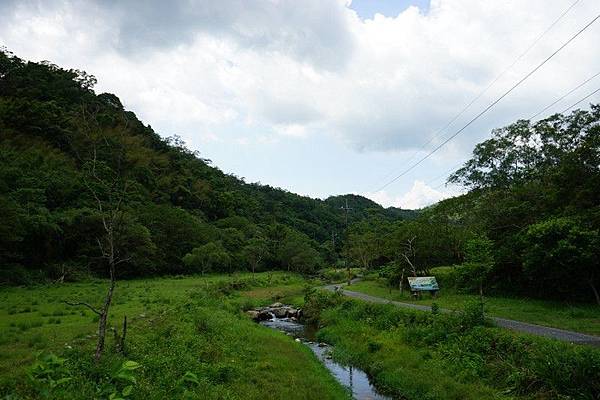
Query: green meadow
{"points": [[188, 338]]}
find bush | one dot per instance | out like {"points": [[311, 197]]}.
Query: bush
{"points": [[15, 274], [317, 300], [445, 276], [464, 278]]}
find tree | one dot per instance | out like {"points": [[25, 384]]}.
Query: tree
{"points": [[106, 177], [409, 254], [307, 260], [254, 252], [523, 152], [479, 260], [211, 256], [296, 253], [362, 248], [562, 254], [109, 188], [175, 232]]}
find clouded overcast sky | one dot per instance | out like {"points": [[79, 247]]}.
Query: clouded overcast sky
{"points": [[319, 97]]}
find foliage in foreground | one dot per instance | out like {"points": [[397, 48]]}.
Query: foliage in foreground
{"points": [[436, 356]]}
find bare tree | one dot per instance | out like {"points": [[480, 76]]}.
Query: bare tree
{"points": [[112, 218], [409, 254], [108, 186]]}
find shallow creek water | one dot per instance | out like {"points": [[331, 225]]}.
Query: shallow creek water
{"points": [[354, 379]]}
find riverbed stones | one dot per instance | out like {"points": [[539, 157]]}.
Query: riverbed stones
{"points": [[252, 314], [259, 315], [279, 312], [276, 310]]}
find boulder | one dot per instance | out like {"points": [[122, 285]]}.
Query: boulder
{"points": [[253, 314], [264, 315], [280, 312], [291, 312], [276, 305]]}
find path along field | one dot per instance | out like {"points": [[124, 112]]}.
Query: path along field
{"points": [[583, 318]]}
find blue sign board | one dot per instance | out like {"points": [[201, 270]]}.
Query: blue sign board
{"points": [[423, 283]]}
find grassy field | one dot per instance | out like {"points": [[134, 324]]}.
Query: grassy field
{"points": [[576, 317], [188, 338]]}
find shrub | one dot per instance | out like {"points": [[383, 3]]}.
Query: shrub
{"points": [[48, 373], [317, 300]]}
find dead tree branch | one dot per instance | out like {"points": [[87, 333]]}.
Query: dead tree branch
{"points": [[82, 304]]}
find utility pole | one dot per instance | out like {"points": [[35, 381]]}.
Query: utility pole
{"points": [[346, 209]]}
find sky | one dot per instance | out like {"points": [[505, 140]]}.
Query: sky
{"points": [[320, 97]]}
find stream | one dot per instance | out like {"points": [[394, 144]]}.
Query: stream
{"points": [[354, 379]]}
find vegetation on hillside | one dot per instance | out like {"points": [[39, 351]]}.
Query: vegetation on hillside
{"points": [[68, 155], [71, 159], [87, 190]]}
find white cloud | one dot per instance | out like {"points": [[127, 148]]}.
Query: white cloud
{"points": [[420, 195], [281, 70], [378, 84]]}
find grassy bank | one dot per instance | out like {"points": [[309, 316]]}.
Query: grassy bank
{"points": [[186, 339], [576, 317], [418, 355]]}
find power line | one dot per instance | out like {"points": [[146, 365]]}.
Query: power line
{"points": [[439, 186], [492, 104], [449, 171], [562, 112], [586, 97], [445, 173], [565, 95], [496, 79]]}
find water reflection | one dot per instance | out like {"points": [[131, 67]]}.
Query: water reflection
{"points": [[353, 378]]}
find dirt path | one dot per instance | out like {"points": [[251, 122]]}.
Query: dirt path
{"points": [[559, 334]]}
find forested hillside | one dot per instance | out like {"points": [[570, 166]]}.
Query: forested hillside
{"points": [[70, 157]]}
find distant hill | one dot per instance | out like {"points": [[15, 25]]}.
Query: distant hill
{"points": [[362, 208]]}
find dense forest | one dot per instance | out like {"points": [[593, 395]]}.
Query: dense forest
{"points": [[73, 163], [72, 160]]}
